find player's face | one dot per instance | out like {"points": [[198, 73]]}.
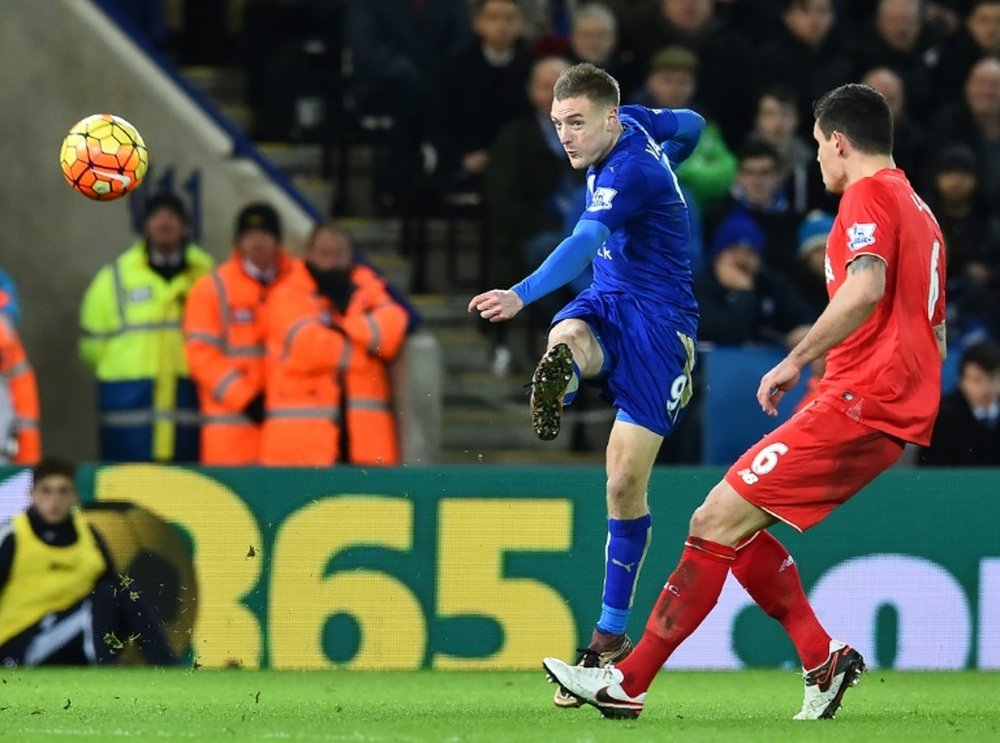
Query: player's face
{"points": [[587, 130], [53, 497], [831, 165], [260, 248]]}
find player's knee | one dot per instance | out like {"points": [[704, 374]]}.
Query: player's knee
{"points": [[625, 492], [573, 333], [707, 522]]}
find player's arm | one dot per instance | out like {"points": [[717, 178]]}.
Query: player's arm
{"points": [[941, 336], [853, 303], [563, 265], [690, 125]]}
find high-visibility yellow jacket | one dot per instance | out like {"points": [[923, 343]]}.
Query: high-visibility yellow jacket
{"points": [[132, 339], [224, 337], [45, 578], [20, 391]]}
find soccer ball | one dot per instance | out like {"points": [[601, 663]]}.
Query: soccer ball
{"points": [[103, 157]]}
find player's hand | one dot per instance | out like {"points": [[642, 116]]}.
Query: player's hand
{"points": [[776, 383], [496, 305]]}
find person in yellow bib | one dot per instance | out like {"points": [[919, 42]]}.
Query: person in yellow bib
{"points": [[131, 338], [58, 597]]}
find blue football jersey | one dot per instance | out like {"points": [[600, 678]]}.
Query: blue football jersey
{"points": [[634, 193]]}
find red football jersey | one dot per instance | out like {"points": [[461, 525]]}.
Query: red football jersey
{"points": [[887, 373]]}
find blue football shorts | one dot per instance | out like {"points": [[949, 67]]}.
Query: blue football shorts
{"points": [[647, 360]]}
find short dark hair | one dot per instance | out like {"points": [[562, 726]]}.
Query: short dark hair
{"points": [[984, 354], [50, 466], [755, 147], [858, 112], [588, 81], [780, 93]]}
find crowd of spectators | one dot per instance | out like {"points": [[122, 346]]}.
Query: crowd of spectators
{"points": [[456, 78], [463, 87]]}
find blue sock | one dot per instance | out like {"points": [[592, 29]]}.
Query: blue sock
{"points": [[573, 387], [626, 549]]}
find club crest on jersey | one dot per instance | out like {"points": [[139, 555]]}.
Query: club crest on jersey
{"points": [[601, 199], [860, 235]]}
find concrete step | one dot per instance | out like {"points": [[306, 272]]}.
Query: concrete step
{"points": [[463, 350], [445, 311], [294, 159], [488, 390], [220, 84], [317, 191]]}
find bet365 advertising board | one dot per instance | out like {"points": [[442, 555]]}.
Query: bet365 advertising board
{"points": [[494, 568]]}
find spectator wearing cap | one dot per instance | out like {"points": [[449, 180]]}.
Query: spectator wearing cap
{"points": [[224, 338], [130, 322], [972, 241], [967, 430], [332, 331], [811, 276], [739, 299], [672, 83]]}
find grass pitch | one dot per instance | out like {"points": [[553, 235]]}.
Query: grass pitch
{"points": [[149, 704]]}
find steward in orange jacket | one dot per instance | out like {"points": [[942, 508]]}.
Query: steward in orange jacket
{"points": [[332, 328], [224, 338], [20, 436]]}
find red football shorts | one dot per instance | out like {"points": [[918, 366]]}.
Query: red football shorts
{"points": [[812, 463]]}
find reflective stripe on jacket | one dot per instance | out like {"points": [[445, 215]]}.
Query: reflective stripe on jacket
{"points": [[21, 439], [224, 340], [323, 365], [132, 339]]}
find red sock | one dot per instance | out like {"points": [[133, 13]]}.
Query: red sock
{"points": [[768, 573], [687, 598]]}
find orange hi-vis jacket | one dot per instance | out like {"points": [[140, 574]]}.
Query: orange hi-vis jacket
{"points": [[325, 368], [17, 379], [224, 343]]}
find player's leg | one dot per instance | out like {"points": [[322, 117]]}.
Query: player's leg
{"points": [[573, 353], [768, 573], [631, 452], [690, 593]]}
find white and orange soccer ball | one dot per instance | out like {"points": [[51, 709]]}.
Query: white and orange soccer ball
{"points": [[103, 157]]}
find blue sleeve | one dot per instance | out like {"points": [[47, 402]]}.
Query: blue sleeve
{"points": [[689, 127], [565, 263]]}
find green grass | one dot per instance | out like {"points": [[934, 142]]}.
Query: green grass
{"points": [[147, 704]]}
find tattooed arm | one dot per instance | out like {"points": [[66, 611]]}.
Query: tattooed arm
{"points": [[942, 340], [853, 303]]}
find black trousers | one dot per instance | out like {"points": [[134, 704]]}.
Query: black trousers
{"points": [[91, 632]]}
